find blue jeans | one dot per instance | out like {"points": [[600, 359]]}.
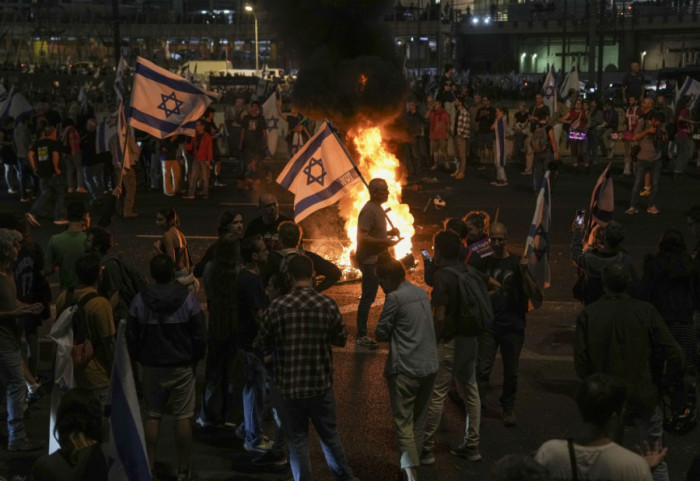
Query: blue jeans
{"points": [[370, 286], [510, 342], [651, 430], [12, 380], [253, 396], [51, 187], [295, 415], [642, 167], [94, 179]]}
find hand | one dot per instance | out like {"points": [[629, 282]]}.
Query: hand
{"points": [[393, 242], [524, 261], [393, 232], [556, 155], [653, 456], [35, 308]]}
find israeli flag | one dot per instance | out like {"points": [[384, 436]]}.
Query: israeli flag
{"points": [[549, 92], [570, 82], [163, 104], [272, 118], [690, 87], [15, 105], [319, 174], [537, 244], [119, 79], [127, 448]]}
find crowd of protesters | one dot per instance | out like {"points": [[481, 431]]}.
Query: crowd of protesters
{"points": [[266, 333]]}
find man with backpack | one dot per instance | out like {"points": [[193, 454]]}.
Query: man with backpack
{"points": [[507, 333], [457, 342], [93, 328], [120, 280]]}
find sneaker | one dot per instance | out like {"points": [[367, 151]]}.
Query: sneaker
{"points": [[218, 183], [509, 418], [466, 452], [525, 172], [262, 447], [645, 192], [434, 167], [71, 190], [32, 220], [427, 458], [24, 444], [11, 191], [652, 210], [632, 210], [269, 458], [230, 425], [202, 423], [240, 432], [365, 341], [499, 183], [459, 176], [81, 190], [24, 200], [61, 222], [188, 197]]}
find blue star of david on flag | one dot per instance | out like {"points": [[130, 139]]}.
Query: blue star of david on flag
{"points": [[309, 171], [164, 104], [272, 123]]}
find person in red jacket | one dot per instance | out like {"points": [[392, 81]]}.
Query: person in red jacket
{"points": [[201, 147]]}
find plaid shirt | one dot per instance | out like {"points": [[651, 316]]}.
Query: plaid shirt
{"points": [[463, 130], [300, 328]]}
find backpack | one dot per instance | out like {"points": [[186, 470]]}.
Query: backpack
{"points": [[475, 311], [83, 350], [538, 140], [132, 279]]}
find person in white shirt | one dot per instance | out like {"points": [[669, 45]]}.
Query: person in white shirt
{"points": [[601, 402]]}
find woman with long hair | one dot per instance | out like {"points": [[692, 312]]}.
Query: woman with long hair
{"points": [[577, 123], [684, 141], [79, 433], [221, 397], [173, 243]]}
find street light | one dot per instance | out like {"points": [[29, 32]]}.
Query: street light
{"points": [[249, 9], [644, 54]]}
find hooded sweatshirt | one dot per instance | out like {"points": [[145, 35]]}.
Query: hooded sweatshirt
{"points": [[609, 462], [166, 327]]}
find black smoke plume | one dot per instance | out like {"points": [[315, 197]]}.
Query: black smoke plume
{"points": [[350, 70]]}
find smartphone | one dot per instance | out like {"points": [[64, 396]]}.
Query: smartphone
{"points": [[425, 255], [580, 216]]}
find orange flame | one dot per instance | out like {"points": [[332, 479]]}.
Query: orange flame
{"points": [[376, 162], [363, 82]]}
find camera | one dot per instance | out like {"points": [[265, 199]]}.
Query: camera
{"points": [[580, 216]]}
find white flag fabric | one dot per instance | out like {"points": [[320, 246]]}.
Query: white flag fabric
{"points": [[163, 103], [549, 92], [62, 334], [319, 174], [690, 87], [272, 118], [570, 82], [15, 105], [105, 130], [127, 446], [537, 243], [119, 79]]}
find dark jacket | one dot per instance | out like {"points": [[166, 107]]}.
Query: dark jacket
{"points": [[166, 327], [614, 336]]}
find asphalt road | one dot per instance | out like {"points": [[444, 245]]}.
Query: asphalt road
{"points": [[544, 407]]}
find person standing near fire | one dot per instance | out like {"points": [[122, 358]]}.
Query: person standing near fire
{"points": [[372, 240]]}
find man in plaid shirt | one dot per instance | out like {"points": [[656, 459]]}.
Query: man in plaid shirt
{"points": [[300, 328], [462, 137]]}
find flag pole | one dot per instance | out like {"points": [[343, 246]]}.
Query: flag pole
{"points": [[352, 161]]}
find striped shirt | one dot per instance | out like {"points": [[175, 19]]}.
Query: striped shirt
{"points": [[300, 328]]}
